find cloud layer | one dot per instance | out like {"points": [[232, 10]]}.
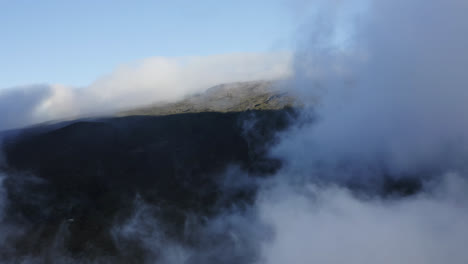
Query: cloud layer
{"points": [[392, 105], [394, 98], [331, 225], [156, 79]]}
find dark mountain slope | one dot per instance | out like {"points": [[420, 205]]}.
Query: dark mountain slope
{"points": [[87, 173]]}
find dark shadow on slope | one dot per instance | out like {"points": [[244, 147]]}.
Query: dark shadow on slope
{"points": [[87, 173]]}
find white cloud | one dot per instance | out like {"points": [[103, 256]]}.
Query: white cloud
{"points": [[395, 99], [392, 104], [330, 225], [150, 80], [165, 79]]}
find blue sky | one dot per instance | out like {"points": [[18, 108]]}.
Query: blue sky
{"points": [[75, 42]]}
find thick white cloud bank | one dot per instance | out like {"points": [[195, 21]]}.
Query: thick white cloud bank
{"points": [[393, 103], [392, 94], [330, 225], [151, 80]]}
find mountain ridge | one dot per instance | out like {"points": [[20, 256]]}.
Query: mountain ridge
{"points": [[228, 97]]}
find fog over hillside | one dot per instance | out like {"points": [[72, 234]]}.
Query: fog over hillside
{"points": [[355, 155], [131, 85]]}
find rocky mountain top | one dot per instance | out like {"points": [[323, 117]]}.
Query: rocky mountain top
{"points": [[231, 97]]}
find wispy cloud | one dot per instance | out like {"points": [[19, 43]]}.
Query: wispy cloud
{"points": [[151, 80]]}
